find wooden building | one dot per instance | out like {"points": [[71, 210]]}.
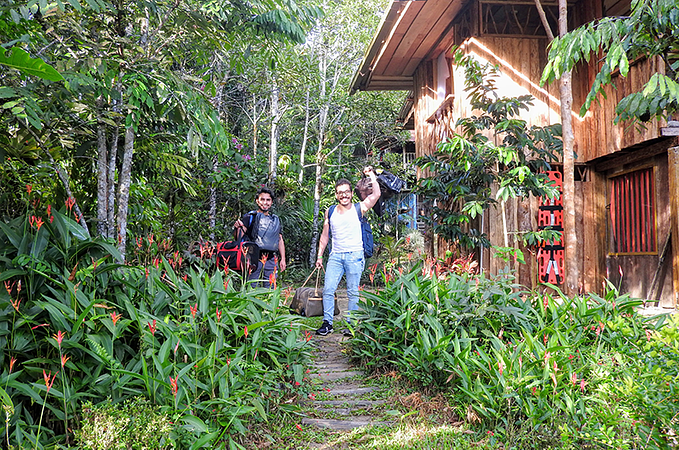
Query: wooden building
{"points": [[626, 178]]}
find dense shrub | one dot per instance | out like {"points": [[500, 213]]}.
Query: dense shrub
{"points": [[75, 326], [586, 371]]}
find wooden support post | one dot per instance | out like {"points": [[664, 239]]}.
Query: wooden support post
{"points": [[673, 175]]}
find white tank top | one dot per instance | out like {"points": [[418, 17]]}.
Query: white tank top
{"points": [[346, 231]]}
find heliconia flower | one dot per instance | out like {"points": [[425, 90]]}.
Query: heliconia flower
{"points": [[408, 240], [648, 334], [18, 287], [535, 388], [64, 360], [70, 202], [194, 309], [31, 221], [152, 327], [263, 259], [47, 378], [620, 271], [299, 427], [547, 356], [156, 262], [219, 315], [228, 361], [574, 378], [12, 361], [115, 317], [176, 347], [147, 273], [139, 242], [151, 238], [583, 383], [41, 325], [545, 338], [500, 367], [272, 279], [49, 210], [520, 362], [184, 277], [16, 303], [8, 287], [245, 331], [360, 287], [59, 337], [29, 188], [173, 384]]}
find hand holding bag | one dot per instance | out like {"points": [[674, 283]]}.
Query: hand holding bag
{"points": [[308, 301]]}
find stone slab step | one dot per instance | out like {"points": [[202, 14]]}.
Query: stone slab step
{"points": [[349, 402], [348, 424], [334, 376], [350, 391]]}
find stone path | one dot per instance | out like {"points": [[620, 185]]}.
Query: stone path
{"points": [[339, 400]]}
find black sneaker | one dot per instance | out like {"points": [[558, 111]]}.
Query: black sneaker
{"points": [[325, 329]]}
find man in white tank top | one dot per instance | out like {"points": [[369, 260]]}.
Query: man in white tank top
{"points": [[346, 256]]}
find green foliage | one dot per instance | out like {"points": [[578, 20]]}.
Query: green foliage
{"points": [[652, 29], [21, 61], [211, 353], [134, 424], [563, 371], [466, 166]]}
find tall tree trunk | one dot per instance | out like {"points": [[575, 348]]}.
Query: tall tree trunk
{"points": [[320, 158], [111, 183], [124, 190], [102, 175], [275, 131], [302, 152], [212, 214], [571, 261], [254, 126], [566, 93]]}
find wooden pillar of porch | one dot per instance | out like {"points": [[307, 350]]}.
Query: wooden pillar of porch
{"points": [[673, 175]]}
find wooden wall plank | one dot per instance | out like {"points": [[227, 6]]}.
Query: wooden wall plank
{"points": [[673, 175]]}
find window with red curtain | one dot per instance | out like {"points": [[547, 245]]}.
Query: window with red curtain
{"points": [[632, 210]]}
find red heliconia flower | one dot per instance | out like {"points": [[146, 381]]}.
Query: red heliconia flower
{"points": [[31, 221], [156, 262], [245, 331], [38, 223], [51, 219], [12, 361], [219, 315], [151, 238], [18, 287], [184, 277], [48, 377], [115, 317], [16, 304], [147, 273], [263, 259], [583, 383], [299, 427], [29, 188], [535, 388], [500, 367], [39, 326], [408, 240], [64, 360], [49, 210], [8, 287], [69, 203], [59, 336], [139, 242], [173, 384], [194, 309], [574, 378], [272, 279], [152, 327]]}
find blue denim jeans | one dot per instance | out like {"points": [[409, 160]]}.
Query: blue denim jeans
{"points": [[268, 269], [349, 263]]}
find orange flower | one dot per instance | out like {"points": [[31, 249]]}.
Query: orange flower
{"points": [[194, 309], [245, 331], [219, 315], [64, 359], [59, 336], [69, 203], [29, 188], [12, 361], [173, 384], [48, 377], [115, 317], [263, 259], [16, 304], [152, 328]]}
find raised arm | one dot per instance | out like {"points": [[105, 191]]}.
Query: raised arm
{"points": [[372, 199]]}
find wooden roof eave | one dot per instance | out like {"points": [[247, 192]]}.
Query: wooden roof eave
{"points": [[363, 74]]}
